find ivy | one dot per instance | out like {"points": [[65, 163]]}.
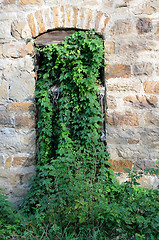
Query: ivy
{"points": [[72, 167]]}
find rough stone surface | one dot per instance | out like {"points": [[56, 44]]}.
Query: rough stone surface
{"points": [[130, 30], [121, 27], [141, 102], [118, 70], [144, 25], [26, 2], [129, 118], [151, 87], [143, 68]]}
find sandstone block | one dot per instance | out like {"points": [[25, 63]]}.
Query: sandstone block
{"points": [[129, 118], [119, 165], [17, 50], [151, 118], [147, 8], [143, 68], [40, 21], [31, 23], [56, 17], [125, 85], [117, 71], [8, 162], [141, 165], [20, 29], [109, 47], [151, 87], [149, 136], [89, 18], [6, 119], [4, 93], [25, 161], [142, 101], [111, 102], [22, 89], [133, 141], [24, 121], [157, 31], [27, 2], [144, 25], [19, 143], [22, 107], [1, 160], [7, 2], [121, 27], [134, 46]]}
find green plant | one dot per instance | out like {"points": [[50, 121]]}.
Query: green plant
{"points": [[72, 168], [74, 193]]}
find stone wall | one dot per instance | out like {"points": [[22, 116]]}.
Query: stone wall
{"points": [[131, 32]]}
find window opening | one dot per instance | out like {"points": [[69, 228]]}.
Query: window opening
{"points": [[57, 37]]}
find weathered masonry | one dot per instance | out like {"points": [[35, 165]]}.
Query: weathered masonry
{"points": [[131, 32]]}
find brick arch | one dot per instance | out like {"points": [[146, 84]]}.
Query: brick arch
{"points": [[57, 17]]}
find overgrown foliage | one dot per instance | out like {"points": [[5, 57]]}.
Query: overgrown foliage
{"points": [[74, 194]]}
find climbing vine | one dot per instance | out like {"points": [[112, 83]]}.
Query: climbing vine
{"points": [[72, 160], [74, 194]]}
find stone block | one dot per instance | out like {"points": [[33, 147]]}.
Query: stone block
{"points": [[125, 85], [151, 87], [149, 136], [21, 107], [134, 46], [18, 143], [142, 101], [111, 102], [39, 18], [129, 118], [144, 25], [24, 121], [31, 23], [8, 162], [8, 2], [27, 2], [109, 47], [118, 166], [25, 161], [1, 160], [145, 164], [151, 118], [20, 29], [133, 141], [4, 86], [117, 71], [56, 16], [22, 87], [157, 31], [6, 119], [121, 27], [143, 68]]}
